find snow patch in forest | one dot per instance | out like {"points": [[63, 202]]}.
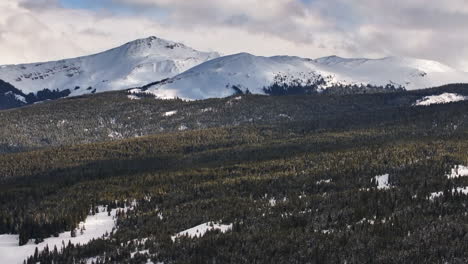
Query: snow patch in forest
{"points": [[115, 134], [208, 109], [285, 116], [135, 91], [170, 113], [324, 181], [444, 98], [17, 96], [96, 226], [182, 128], [200, 230], [133, 97], [141, 252], [458, 171], [371, 221], [382, 182], [435, 195], [272, 201], [462, 190]]}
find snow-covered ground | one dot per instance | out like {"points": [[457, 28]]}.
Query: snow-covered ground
{"points": [[272, 202], [382, 182], [463, 190], [324, 181], [444, 98], [96, 226], [133, 97], [170, 113], [200, 230], [458, 171], [142, 252]]}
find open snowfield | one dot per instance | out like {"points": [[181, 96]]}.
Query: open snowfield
{"points": [[200, 230], [96, 226], [444, 98]]}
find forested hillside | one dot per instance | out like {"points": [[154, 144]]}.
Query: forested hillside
{"points": [[119, 115], [337, 179]]}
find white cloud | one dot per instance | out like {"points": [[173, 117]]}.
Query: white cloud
{"points": [[36, 30]]}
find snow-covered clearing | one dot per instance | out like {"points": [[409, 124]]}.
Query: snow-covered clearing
{"points": [[444, 98], [170, 113], [382, 182], [458, 171], [200, 230], [96, 226]]}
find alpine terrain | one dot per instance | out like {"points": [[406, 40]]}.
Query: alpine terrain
{"points": [[133, 64], [244, 73]]}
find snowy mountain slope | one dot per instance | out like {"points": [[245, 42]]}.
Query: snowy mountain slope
{"points": [[410, 73], [220, 77], [223, 76], [133, 64]]}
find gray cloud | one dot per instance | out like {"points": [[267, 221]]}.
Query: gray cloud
{"points": [[38, 4], [428, 29]]}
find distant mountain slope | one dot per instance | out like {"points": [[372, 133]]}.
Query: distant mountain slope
{"points": [[410, 73], [241, 73], [134, 64], [173, 70]]}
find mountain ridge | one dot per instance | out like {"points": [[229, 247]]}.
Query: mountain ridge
{"points": [[169, 69], [247, 73], [134, 63]]}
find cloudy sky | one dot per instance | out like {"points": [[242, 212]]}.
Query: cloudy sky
{"points": [[42, 30]]}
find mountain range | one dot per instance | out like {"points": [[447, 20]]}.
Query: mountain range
{"points": [[168, 70], [356, 165]]}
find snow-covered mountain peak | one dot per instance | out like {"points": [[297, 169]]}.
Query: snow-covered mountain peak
{"points": [[153, 46], [181, 71], [135, 63]]}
